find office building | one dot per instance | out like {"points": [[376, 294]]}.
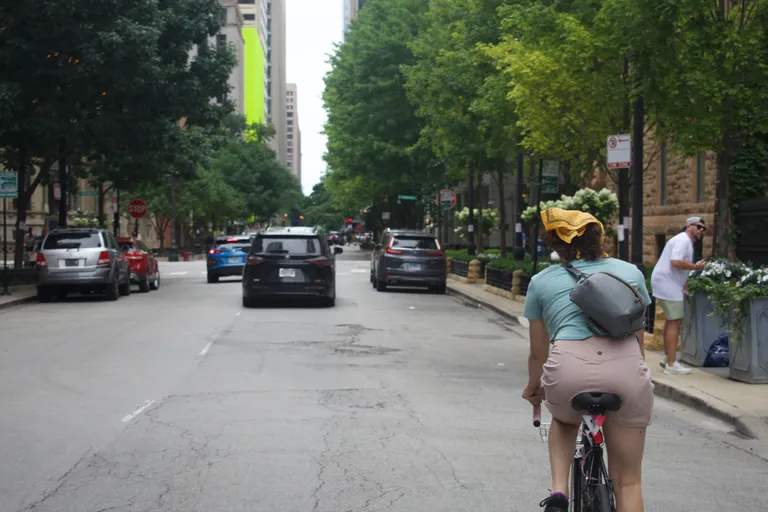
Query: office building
{"points": [[232, 34], [351, 11], [292, 131]]}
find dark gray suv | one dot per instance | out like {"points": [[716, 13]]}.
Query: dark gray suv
{"points": [[408, 258], [82, 259]]}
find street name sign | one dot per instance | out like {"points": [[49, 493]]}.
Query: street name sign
{"points": [[550, 176], [9, 185]]}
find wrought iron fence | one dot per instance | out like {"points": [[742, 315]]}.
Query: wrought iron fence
{"points": [[650, 316], [498, 278], [460, 268], [18, 275]]}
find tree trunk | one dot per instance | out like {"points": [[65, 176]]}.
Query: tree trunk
{"points": [[25, 196], [479, 222], [100, 205], [721, 241], [502, 212]]}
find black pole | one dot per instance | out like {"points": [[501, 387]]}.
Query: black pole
{"points": [[173, 215], [624, 183], [538, 219], [520, 203], [471, 220], [445, 211], [117, 214], [637, 183], [136, 228], [63, 183], [5, 248]]}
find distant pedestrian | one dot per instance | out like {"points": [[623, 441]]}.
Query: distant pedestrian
{"points": [[669, 284], [209, 242]]}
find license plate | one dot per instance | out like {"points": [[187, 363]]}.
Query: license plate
{"points": [[235, 260], [287, 272], [72, 263], [412, 267]]}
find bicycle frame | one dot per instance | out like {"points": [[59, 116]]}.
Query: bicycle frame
{"points": [[589, 469]]}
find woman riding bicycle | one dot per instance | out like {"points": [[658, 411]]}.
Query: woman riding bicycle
{"points": [[567, 358]]}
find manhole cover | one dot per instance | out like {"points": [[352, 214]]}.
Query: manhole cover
{"points": [[478, 336]]}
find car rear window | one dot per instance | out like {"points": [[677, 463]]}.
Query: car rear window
{"points": [[234, 243], [286, 245], [75, 240], [413, 242], [127, 246]]}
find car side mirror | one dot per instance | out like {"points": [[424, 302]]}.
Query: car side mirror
{"points": [[337, 250]]}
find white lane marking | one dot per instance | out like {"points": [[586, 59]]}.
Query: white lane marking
{"points": [[203, 273], [179, 273], [206, 348], [129, 417], [361, 270], [411, 307], [238, 313]]}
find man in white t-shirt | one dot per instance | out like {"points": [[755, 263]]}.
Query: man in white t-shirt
{"points": [[669, 283]]}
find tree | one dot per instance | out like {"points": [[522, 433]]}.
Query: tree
{"points": [[108, 80], [319, 209], [372, 128], [697, 67]]}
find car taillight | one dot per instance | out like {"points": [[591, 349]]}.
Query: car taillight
{"points": [[254, 260], [41, 263], [393, 251], [323, 262], [435, 253], [214, 251], [103, 259]]}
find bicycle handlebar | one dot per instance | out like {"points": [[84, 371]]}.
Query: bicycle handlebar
{"points": [[536, 415]]}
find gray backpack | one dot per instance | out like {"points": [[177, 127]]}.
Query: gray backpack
{"points": [[614, 307]]}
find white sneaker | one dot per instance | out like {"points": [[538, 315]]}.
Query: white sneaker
{"points": [[664, 362], [676, 369]]}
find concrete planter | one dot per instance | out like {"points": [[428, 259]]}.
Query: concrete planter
{"points": [[701, 327], [749, 355]]}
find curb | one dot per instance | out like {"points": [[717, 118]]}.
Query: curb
{"points": [[16, 302], [746, 424]]}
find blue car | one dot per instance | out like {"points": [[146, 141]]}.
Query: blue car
{"points": [[227, 257]]}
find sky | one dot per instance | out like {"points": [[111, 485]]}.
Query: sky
{"points": [[312, 27]]}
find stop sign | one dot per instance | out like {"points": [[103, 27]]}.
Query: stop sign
{"points": [[137, 208]]}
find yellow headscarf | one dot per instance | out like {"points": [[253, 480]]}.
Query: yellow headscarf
{"points": [[568, 224]]}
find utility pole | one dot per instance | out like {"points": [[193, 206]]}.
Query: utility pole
{"points": [[471, 219], [624, 184], [519, 249], [637, 183], [445, 211], [538, 218], [116, 221]]}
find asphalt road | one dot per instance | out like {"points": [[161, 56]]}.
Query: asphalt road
{"points": [[181, 400]]}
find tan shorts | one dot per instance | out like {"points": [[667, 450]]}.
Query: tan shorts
{"points": [[598, 364], [673, 309]]}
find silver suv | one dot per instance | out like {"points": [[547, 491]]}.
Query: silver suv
{"points": [[84, 260], [408, 258]]}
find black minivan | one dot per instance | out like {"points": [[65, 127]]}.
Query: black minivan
{"points": [[290, 262]]}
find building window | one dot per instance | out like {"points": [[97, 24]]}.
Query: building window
{"points": [[247, 2], [290, 129], [221, 40], [700, 171], [289, 163], [289, 114], [290, 150], [249, 17], [290, 122], [663, 167], [290, 135], [661, 241], [223, 16]]}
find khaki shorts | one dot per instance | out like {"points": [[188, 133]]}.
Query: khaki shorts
{"points": [[673, 309], [602, 365]]}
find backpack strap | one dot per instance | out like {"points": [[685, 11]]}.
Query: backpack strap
{"points": [[578, 274]]}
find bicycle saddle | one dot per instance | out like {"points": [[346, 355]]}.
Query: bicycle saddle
{"points": [[604, 401]]}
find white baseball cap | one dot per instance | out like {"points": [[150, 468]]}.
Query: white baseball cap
{"points": [[694, 220]]}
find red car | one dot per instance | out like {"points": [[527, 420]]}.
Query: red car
{"points": [[144, 269]]}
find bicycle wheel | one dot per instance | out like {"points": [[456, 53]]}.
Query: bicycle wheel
{"points": [[577, 485], [602, 499]]}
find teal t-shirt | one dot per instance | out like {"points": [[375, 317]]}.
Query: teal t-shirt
{"points": [[549, 290]]}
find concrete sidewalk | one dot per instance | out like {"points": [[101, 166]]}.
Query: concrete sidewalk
{"points": [[19, 295], [743, 405]]}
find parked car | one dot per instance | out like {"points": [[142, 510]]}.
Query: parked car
{"points": [[291, 262], [227, 258], [144, 268], [84, 260], [408, 258]]}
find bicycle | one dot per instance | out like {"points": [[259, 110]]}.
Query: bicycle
{"points": [[591, 486]]}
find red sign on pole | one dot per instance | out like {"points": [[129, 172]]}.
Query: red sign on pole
{"points": [[137, 208], [446, 198]]}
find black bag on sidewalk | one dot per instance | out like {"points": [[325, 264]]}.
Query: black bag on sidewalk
{"points": [[614, 307]]}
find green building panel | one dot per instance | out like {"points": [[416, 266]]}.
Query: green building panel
{"points": [[254, 77]]}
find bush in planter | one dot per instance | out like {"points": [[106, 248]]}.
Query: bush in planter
{"points": [[486, 221], [602, 204], [730, 283]]}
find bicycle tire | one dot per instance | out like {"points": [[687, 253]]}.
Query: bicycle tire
{"points": [[602, 499]]}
